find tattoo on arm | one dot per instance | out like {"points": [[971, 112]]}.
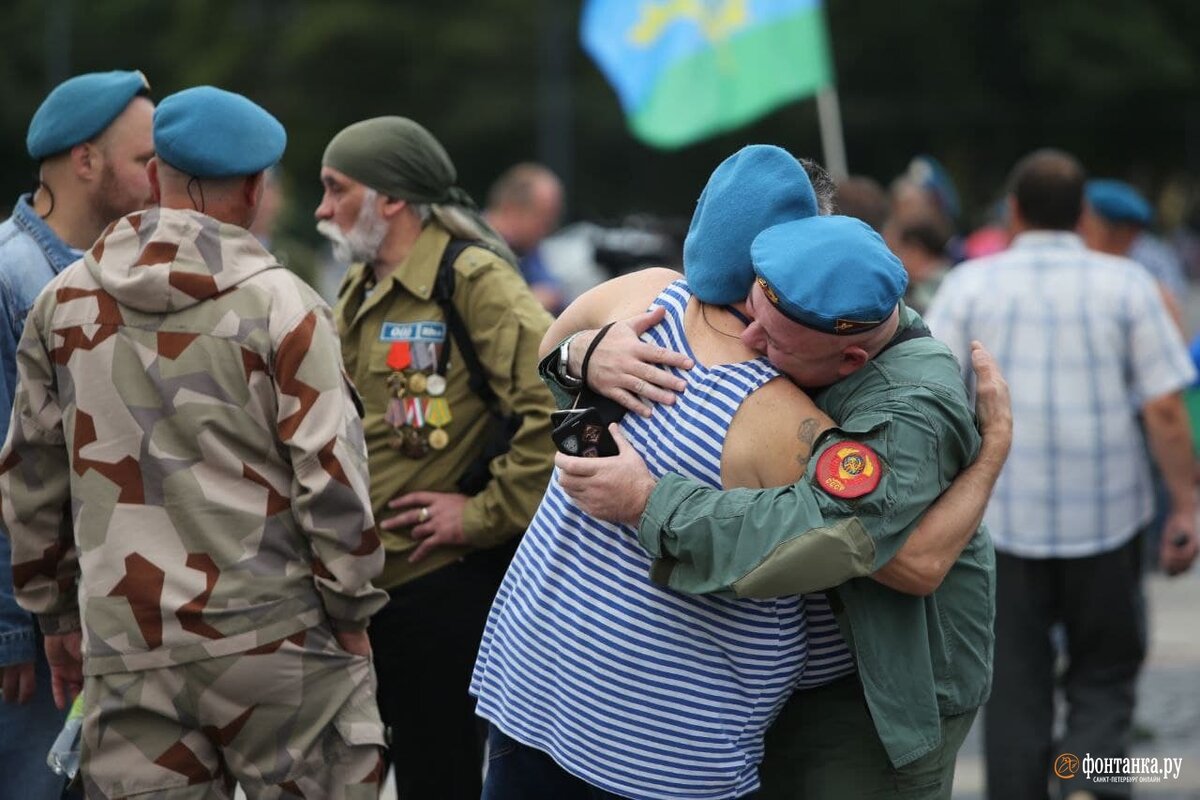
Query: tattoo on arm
{"points": [[807, 434]]}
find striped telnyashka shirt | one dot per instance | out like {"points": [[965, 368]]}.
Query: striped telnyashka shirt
{"points": [[637, 689]]}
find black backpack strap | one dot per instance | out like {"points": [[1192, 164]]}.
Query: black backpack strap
{"points": [[443, 294], [916, 331]]}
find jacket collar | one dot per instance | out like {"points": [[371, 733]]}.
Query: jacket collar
{"points": [[57, 252]]}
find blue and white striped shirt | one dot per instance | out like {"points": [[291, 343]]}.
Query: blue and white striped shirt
{"points": [[1084, 341], [635, 688]]}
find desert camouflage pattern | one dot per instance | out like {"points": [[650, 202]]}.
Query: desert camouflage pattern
{"points": [[293, 719], [186, 454]]}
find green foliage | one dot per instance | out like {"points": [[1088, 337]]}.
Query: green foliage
{"points": [[976, 84]]}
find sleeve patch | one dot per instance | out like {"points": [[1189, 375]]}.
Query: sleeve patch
{"points": [[848, 470]]}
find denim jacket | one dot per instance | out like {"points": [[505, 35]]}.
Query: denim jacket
{"points": [[31, 254]]}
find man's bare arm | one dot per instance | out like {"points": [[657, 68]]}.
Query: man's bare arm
{"points": [[1168, 430], [922, 563]]}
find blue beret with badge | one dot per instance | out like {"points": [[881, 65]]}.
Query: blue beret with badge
{"points": [[208, 132], [80, 108], [833, 274], [1117, 201], [755, 188]]}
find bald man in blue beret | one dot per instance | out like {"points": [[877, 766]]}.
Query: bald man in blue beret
{"points": [[91, 140], [824, 295], [1116, 220], [185, 488]]}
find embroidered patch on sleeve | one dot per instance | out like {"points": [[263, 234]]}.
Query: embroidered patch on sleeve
{"points": [[848, 470]]}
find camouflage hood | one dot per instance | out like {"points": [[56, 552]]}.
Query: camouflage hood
{"points": [[167, 259]]}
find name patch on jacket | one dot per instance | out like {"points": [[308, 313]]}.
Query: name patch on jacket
{"points": [[428, 331]]}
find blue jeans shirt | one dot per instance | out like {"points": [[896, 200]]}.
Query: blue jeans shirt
{"points": [[31, 254]]}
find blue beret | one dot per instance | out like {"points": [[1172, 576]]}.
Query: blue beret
{"points": [[1117, 201], [755, 188], [211, 133], [80, 108], [834, 274], [928, 173]]}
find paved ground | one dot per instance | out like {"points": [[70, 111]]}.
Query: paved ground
{"points": [[1168, 696]]}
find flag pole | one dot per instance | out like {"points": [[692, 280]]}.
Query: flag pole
{"points": [[833, 143]]}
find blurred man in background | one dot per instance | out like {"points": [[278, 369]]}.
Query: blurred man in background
{"points": [[1116, 220], [919, 240], [862, 198], [441, 335], [524, 206], [91, 138], [1085, 341]]}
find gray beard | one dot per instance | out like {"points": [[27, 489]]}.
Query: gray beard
{"points": [[363, 240]]}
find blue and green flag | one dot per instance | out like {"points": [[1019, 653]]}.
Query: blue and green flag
{"points": [[687, 69]]}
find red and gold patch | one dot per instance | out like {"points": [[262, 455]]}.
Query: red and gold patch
{"points": [[848, 470]]}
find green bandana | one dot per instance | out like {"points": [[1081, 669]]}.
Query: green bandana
{"points": [[397, 158]]}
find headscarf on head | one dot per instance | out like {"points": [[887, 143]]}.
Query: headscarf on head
{"points": [[399, 158]]}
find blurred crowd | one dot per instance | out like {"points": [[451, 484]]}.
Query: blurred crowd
{"points": [[217, 471]]}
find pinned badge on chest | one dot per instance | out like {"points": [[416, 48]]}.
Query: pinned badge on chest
{"points": [[414, 444], [399, 356], [418, 383], [437, 414], [424, 355], [394, 416]]}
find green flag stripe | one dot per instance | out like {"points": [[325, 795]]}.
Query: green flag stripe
{"points": [[736, 81]]}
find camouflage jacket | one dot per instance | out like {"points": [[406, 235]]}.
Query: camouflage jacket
{"points": [[186, 454]]}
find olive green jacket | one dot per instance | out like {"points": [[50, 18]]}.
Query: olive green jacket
{"points": [[506, 325], [919, 658]]}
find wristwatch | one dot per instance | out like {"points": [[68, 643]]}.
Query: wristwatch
{"points": [[567, 380]]}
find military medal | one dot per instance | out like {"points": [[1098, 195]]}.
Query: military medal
{"points": [[424, 355], [399, 356], [435, 385], [414, 414], [396, 440], [848, 470], [395, 413], [414, 444], [437, 414], [418, 383], [397, 383]]}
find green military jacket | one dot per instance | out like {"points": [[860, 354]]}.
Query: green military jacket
{"points": [[506, 325], [919, 658]]}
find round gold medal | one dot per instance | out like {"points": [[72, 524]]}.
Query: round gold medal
{"points": [[436, 385], [417, 383], [438, 439]]}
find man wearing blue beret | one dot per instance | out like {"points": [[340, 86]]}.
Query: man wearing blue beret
{"points": [[826, 308], [1097, 374], [182, 396], [91, 139], [1116, 219]]}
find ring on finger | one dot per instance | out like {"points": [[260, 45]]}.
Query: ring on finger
{"points": [[424, 515]]}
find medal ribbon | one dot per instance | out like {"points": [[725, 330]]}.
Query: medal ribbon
{"points": [[437, 412], [414, 415]]}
